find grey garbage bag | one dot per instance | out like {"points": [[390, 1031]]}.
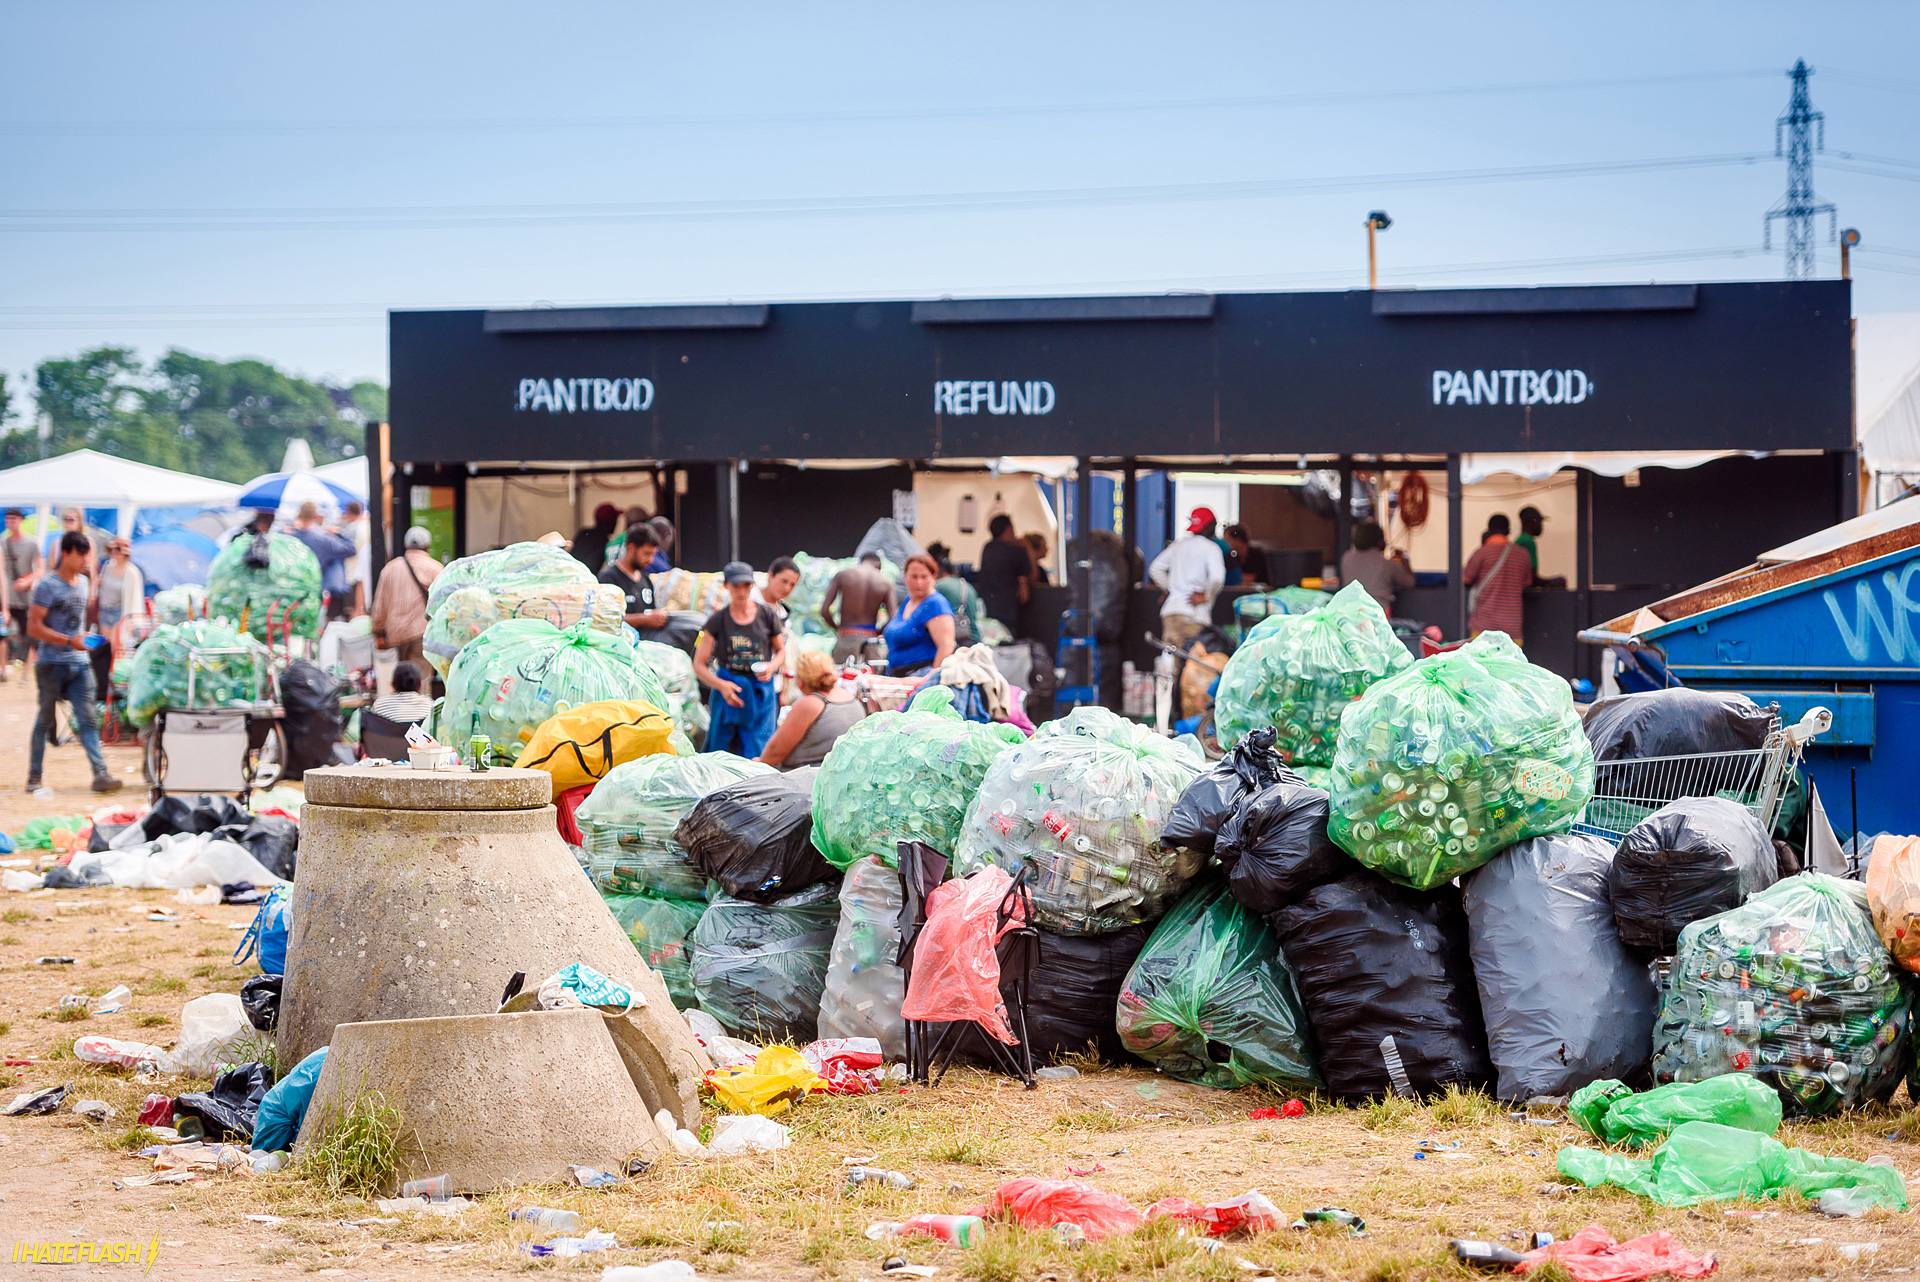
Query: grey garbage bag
{"points": [[759, 968], [1565, 1002], [890, 539], [865, 985], [1689, 859]]}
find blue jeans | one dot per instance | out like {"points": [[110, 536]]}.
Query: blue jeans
{"points": [[59, 681]]}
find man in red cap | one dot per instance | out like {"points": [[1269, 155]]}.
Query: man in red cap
{"points": [[1191, 571]]}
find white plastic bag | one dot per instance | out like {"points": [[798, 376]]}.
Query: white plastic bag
{"points": [[747, 1133], [209, 1027], [107, 1050], [205, 897], [725, 1051], [21, 879], [182, 861]]}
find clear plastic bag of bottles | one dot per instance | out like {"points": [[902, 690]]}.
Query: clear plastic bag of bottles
{"points": [[674, 667], [1253, 613], [1304, 671], [1082, 806], [865, 985], [517, 674], [659, 928], [1446, 764], [1793, 987], [177, 605], [157, 678], [903, 776], [1210, 1000], [519, 581], [253, 597], [629, 818], [759, 968]]}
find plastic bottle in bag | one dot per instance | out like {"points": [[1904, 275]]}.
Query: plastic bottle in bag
{"points": [[629, 819], [865, 985]]}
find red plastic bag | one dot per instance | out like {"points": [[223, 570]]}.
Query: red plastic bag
{"points": [[1251, 1212], [1591, 1255], [1040, 1204], [563, 807], [846, 1065], [956, 973], [1292, 1108]]}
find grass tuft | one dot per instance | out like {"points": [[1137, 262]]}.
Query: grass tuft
{"points": [[1388, 1113], [150, 1021], [154, 985], [72, 1014], [1092, 1119], [358, 1150], [16, 916], [1465, 1108]]}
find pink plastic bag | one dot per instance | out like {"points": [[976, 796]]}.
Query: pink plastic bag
{"points": [[1040, 1204], [1250, 1213], [956, 974], [1591, 1255]]}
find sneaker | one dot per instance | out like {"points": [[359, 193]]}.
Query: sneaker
{"points": [[107, 783]]}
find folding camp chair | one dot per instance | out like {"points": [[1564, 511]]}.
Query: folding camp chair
{"points": [[931, 1047]]}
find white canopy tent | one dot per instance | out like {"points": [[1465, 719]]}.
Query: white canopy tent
{"points": [[88, 478], [1886, 391]]}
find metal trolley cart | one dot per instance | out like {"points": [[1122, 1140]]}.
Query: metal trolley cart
{"points": [[232, 748]]}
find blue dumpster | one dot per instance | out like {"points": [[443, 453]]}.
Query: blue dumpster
{"points": [[1831, 620]]}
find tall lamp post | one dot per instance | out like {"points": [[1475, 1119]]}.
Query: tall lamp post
{"points": [[1848, 239], [1377, 221]]}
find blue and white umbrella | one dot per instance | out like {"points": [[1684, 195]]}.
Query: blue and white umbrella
{"points": [[284, 492]]}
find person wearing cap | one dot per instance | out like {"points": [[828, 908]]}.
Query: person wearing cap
{"points": [[1191, 571], [590, 544], [1532, 526], [400, 598], [745, 640]]}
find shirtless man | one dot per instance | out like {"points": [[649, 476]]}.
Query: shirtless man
{"points": [[863, 593]]}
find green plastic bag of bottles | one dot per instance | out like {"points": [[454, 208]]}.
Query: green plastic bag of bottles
{"points": [[518, 673], [1304, 672], [519, 581], [1210, 999], [1794, 987], [1614, 1112], [285, 590], [628, 821], [157, 678], [903, 776], [1707, 1162], [1252, 613], [1082, 805], [660, 928], [177, 605], [674, 668], [1445, 764]]}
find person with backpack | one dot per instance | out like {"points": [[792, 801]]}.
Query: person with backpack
{"points": [[400, 598], [1496, 574]]}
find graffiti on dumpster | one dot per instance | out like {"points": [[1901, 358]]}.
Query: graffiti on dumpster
{"points": [[1893, 625]]}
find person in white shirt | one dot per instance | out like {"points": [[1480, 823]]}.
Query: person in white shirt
{"points": [[1191, 571], [406, 703]]}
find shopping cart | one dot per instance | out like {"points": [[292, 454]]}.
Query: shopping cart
{"points": [[208, 747], [1625, 792]]}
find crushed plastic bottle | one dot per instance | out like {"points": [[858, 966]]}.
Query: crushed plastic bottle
{"points": [[859, 1175], [546, 1217], [265, 1163], [963, 1231]]}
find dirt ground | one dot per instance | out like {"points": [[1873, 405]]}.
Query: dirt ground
{"points": [[791, 1214]]}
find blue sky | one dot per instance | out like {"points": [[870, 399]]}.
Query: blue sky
{"points": [[246, 179]]}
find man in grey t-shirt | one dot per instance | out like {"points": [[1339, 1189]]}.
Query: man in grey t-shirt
{"points": [[57, 619]]}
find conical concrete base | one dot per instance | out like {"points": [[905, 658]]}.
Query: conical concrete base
{"points": [[421, 892], [490, 1100]]}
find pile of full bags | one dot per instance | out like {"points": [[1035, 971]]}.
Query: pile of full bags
{"points": [[1082, 806], [266, 581], [1446, 764], [1297, 673], [630, 818], [759, 968], [519, 581], [1689, 859], [1793, 987], [159, 672]]}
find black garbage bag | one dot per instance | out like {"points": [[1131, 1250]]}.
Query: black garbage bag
{"points": [[1566, 1003], [755, 837], [1211, 798], [229, 1109], [260, 998], [1689, 859], [1388, 985], [1675, 722], [271, 839], [311, 696], [101, 838], [1072, 989], [64, 877], [681, 630], [192, 813], [1276, 847]]}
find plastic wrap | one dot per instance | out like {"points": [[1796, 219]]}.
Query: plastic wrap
{"points": [[1794, 987], [1612, 1112], [865, 985], [1276, 847], [956, 975], [1688, 860], [519, 581], [1211, 799], [1389, 987], [1210, 1000], [514, 676], [1303, 672], [285, 590], [178, 604], [1565, 1003], [629, 818], [755, 837], [1707, 1162], [1448, 763], [759, 968], [158, 677], [659, 928], [1676, 722], [903, 776], [1083, 804], [1893, 897], [687, 702]]}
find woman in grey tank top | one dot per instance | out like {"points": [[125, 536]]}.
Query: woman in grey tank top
{"points": [[825, 710]]}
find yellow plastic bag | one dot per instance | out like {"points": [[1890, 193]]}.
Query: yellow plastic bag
{"points": [[1893, 896], [777, 1078], [580, 745]]}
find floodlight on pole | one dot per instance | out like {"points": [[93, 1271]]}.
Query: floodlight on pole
{"points": [[1377, 221], [1848, 239]]}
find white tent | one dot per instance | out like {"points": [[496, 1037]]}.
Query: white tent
{"points": [[1886, 391], [350, 474], [88, 478]]}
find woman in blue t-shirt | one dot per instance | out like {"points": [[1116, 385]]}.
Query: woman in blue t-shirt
{"points": [[920, 635]]}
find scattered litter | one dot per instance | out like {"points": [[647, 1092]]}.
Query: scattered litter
{"points": [[1056, 1073], [433, 1189], [1090, 1212], [74, 1001], [268, 1220], [202, 1157], [566, 1247], [1528, 1119], [1591, 1255], [205, 897], [748, 1133], [108, 1050], [1857, 1250], [663, 1271], [1332, 1215], [1435, 1146], [1075, 1170], [962, 1231], [859, 1175], [36, 1103], [372, 1222], [159, 1177], [682, 1140], [1737, 1213], [1251, 1212], [547, 1217], [901, 1269], [1147, 1090], [53, 961], [114, 1000], [1848, 1203], [94, 1110], [420, 1205], [268, 1163], [1292, 1108], [866, 1160], [588, 1178]]}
